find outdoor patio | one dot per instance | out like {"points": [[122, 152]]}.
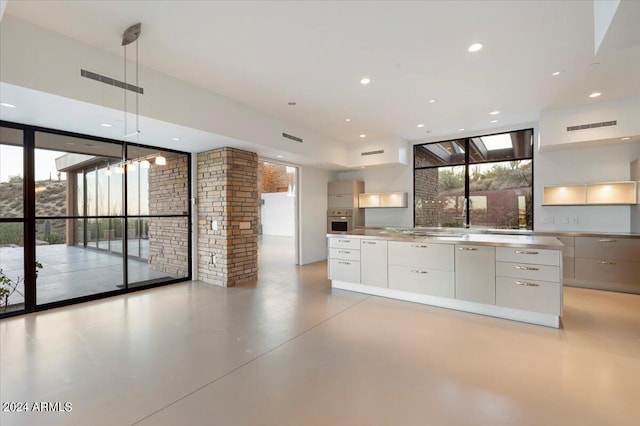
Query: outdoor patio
{"points": [[74, 271]]}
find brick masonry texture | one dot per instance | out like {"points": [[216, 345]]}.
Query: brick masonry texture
{"points": [[169, 236], [227, 192]]}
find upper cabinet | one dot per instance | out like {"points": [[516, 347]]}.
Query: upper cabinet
{"points": [[605, 193], [382, 199]]}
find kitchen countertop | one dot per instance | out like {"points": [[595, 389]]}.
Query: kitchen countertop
{"points": [[454, 237]]}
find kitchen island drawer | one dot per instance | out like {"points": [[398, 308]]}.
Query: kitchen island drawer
{"points": [[526, 255], [344, 243], [528, 271], [627, 249], [529, 295], [422, 255], [345, 254], [344, 270], [423, 281], [607, 271]]}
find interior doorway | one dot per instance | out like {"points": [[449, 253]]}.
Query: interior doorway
{"points": [[278, 219]]}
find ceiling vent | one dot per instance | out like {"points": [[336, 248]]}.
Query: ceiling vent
{"points": [[380, 151], [111, 81], [592, 125], [293, 138]]}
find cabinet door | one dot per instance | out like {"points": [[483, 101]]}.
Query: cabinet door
{"points": [[344, 270], [373, 264], [416, 280], [627, 249], [340, 200], [476, 274], [422, 255]]}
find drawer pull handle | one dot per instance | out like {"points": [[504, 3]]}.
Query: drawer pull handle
{"points": [[607, 241], [344, 263], [526, 268], [526, 284], [468, 248], [525, 252], [419, 245], [418, 271], [344, 251], [344, 241], [369, 242], [604, 262]]}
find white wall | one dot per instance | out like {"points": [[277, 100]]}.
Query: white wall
{"points": [[577, 166], [277, 214], [312, 207]]}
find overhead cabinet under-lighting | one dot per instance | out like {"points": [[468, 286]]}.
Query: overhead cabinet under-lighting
{"points": [[382, 199], [606, 193]]}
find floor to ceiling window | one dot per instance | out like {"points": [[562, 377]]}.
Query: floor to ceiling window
{"points": [[483, 181], [91, 203], [12, 289]]}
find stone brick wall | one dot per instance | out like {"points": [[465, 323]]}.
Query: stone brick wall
{"points": [[426, 197], [227, 192], [169, 236]]}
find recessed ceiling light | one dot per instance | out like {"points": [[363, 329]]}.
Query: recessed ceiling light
{"points": [[626, 138], [461, 129], [175, 139], [362, 167], [279, 156], [292, 104], [363, 136], [556, 73], [365, 80], [347, 120], [4, 104], [595, 94], [494, 121], [106, 125], [475, 47], [420, 125], [431, 101], [494, 113]]}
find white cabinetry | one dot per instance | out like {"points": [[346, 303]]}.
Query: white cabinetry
{"points": [[422, 268], [373, 264], [344, 259], [344, 193], [529, 279], [476, 273]]}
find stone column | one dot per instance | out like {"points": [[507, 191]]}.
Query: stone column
{"points": [[227, 193]]}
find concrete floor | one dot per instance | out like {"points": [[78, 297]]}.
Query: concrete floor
{"points": [[289, 350]]}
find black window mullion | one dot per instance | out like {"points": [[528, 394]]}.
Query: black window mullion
{"points": [[29, 237], [467, 202], [125, 227]]}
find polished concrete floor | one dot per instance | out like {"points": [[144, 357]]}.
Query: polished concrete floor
{"points": [[289, 350]]}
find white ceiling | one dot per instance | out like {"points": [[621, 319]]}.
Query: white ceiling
{"points": [[266, 54]]}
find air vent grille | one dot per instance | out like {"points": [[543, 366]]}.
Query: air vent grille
{"points": [[592, 125], [379, 151], [111, 81], [293, 138]]}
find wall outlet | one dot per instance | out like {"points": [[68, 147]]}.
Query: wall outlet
{"points": [[547, 220], [564, 220], [574, 220]]}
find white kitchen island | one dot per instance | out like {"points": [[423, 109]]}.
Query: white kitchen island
{"points": [[517, 277]]}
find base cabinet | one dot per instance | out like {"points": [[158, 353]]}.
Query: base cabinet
{"points": [[416, 280], [529, 295], [373, 263], [476, 274], [344, 270]]}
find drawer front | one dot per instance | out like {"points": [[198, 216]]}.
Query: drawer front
{"points": [[344, 270], [424, 281], [373, 263], [344, 254], [344, 243], [422, 255], [528, 255], [609, 271], [627, 249], [529, 295], [528, 271]]}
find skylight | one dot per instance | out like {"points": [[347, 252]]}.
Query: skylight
{"points": [[494, 142]]}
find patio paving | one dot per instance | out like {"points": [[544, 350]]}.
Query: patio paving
{"points": [[74, 271]]}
